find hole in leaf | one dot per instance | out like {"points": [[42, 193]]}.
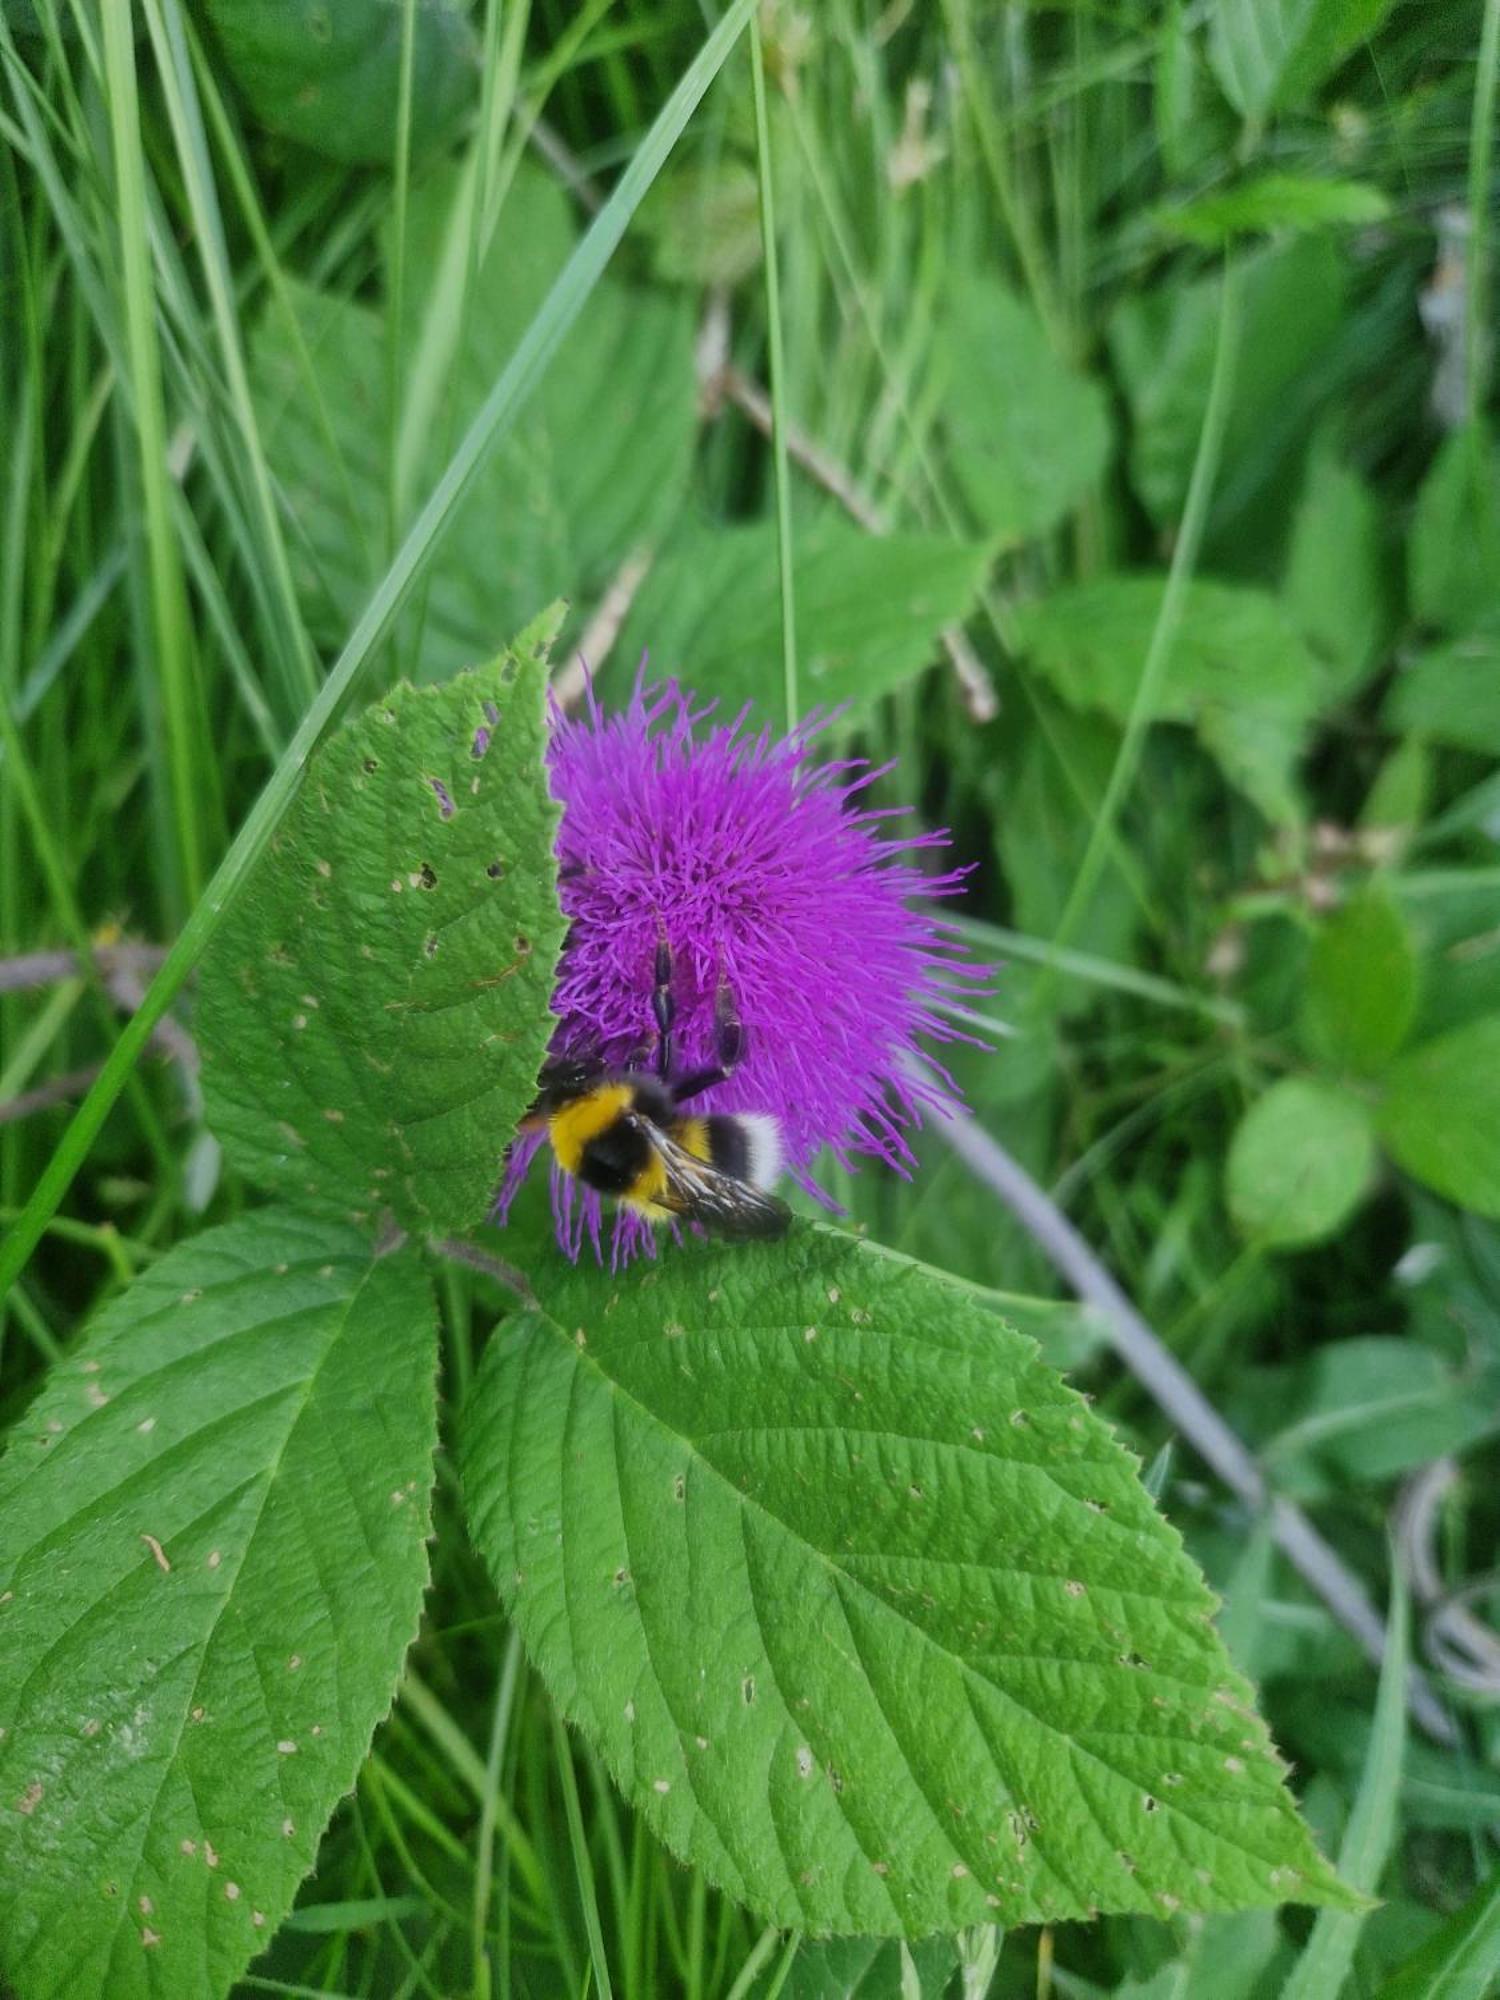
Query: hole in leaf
{"points": [[522, 945], [495, 870], [481, 742], [508, 667], [372, 764], [426, 879], [491, 713], [430, 944], [443, 796], [747, 1690]]}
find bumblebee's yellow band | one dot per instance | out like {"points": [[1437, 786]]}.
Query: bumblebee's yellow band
{"points": [[572, 1125]]}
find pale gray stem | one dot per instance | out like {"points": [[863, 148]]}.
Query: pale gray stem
{"points": [[602, 630], [46, 968], [458, 1250], [1175, 1392], [56, 1090]]}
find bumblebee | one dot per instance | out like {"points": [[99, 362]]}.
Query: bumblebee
{"points": [[624, 1132]]}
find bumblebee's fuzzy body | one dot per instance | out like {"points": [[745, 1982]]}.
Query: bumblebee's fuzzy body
{"points": [[626, 1136]]}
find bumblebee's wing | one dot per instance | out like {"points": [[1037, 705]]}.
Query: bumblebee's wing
{"points": [[722, 1203]]}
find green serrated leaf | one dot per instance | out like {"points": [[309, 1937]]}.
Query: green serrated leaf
{"points": [[1027, 436], [1275, 203], [1453, 556], [1299, 1163], [1335, 574], [1238, 671], [1272, 54], [865, 1610], [1163, 343], [869, 611], [375, 1009], [1451, 693], [1441, 1114], [595, 467], [213, 1528], [1462, 1962], [1363, 977], [327, 73]]}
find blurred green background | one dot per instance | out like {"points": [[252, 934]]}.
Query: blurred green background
{"points": [[1137, 388]]}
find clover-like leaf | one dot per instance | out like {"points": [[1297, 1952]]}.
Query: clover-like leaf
{"points": [[213, 1528], [374, 1011], [864, 1608]]}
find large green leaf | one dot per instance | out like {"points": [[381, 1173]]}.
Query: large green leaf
{"points": [[213, 1528], [1452, 693], [1027, 435], [1238, 670], [1163, 342], [864, 1608], [1336, 573], [1360, 1411], [1363, 977], [1299, 1162], [1453, 556], [1462, 1961], [1269, 54], [869, 611], [375, 1008], [1441, 1114], [595, 466], [328, 72]]}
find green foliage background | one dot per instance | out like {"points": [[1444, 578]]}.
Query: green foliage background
{"points": [[1144, 505]]}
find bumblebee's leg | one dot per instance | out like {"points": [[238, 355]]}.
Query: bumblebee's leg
{"points": [[729, 1046], [663, 1006]]}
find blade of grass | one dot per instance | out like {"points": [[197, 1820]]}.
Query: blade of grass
{"points": [[1328, 1956], [185, 745], [519, 376], [490, 1811], [1462, 1961], [296, 669], [778, 375], [582, 1861], [1159, 651], [1481, 141]]}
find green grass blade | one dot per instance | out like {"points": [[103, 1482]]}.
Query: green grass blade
{"points": [[582, 1861], [171, 629], [778, 378], [1462, 1961], [1159, 652], [1326, 1962], [520, 375]]}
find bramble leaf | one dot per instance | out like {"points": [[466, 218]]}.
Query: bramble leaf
{"points": [[596, 464], [213, 1527], [1026, 435], [870, 610], [375, 1009], [865, 1610], [329, 74], [1237, 670]]}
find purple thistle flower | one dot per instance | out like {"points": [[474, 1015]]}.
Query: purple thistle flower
{"points": [[765, 872]]}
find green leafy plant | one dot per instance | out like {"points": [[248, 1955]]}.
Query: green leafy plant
{"points": [[214, 1521], [1095, 408]]}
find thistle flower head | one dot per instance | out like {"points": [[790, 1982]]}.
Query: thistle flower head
{"points": [[769, 877]]}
